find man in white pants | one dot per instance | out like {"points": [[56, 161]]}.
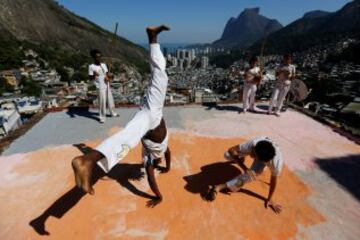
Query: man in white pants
{"points": [[147, 126], [99, 72], [284, 75], [252, 78], [266, 153]]}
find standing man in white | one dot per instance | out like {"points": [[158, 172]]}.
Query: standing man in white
{"points": [[284, 75], [147, 126], [251, 79], [99, 72]]}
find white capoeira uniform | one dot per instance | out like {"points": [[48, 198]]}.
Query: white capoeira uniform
{"points": [[152, 150], [275, 165], [282, 87], [105, 95], [147, 118], [250, 88]]}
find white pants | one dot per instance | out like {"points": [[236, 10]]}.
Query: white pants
{"points": [[105, 96], [249, 94], [278, 96], [147, 118]]}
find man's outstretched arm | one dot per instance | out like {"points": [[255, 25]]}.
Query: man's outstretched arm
{"points": [[167, 160], [269, 203], [153, 185]]}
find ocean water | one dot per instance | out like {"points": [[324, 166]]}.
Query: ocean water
{"points": [[171, 47]]}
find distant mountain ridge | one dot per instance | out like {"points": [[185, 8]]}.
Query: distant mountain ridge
{"points": [[46, 22], [315, 14], [246, 29], [315, 28]]}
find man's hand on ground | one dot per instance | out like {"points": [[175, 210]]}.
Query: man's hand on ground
{"points": [[274, 206], [163, 169]]}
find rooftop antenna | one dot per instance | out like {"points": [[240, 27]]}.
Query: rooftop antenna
{"points": [[112, 46], [261, 58]]}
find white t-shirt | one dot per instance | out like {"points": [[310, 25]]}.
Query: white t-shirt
{"points": [[274, 164], [101, 70], [285, 78], [251, 73]]}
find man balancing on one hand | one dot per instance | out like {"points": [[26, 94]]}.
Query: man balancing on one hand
{"points": [[147, 126], [265, 153]]}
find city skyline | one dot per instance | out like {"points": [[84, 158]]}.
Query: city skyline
{"points": [[199, 22]]}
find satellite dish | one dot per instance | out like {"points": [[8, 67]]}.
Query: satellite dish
{"points": [[298, 90]]}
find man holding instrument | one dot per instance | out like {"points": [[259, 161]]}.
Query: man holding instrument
{"points": [[147, 126], [99, 72], [252, 78], [284, 75]]}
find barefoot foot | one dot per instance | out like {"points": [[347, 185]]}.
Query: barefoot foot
{"points": [[157, 30], [82, 171], [153, 31]]}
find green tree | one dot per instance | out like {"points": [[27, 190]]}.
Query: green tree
{"points": [[63, 74], [11, 55], [5, 86], [31, 88], [80, 76]]}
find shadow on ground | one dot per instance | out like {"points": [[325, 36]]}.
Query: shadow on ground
{"points": [[210, 106], [214, 174], [263, 107], [122, 173], [344, 170], [82, 112]]}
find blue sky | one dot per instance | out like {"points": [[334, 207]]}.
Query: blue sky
{"points": [[192, 21]]}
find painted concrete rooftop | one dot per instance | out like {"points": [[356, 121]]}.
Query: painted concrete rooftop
{"points": [[319, 187]]}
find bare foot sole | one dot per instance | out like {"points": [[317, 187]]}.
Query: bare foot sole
{"points": [[152, 30], [82, 174]]}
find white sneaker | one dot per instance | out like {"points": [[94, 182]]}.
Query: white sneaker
{"points": [[115, 115], [277, 114], [102, 120]]}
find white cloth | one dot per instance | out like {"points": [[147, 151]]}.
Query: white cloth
{"points": [[101, 70], [282, 86], [278, 97], [152, 150], [249, 94], [250, 88], [147, 118], [274, 164], [286, 72], [238, 182], [105, 99], [156, 93], [250, 74]]}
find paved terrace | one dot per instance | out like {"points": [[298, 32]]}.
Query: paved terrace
{"points": [[319, 187]]}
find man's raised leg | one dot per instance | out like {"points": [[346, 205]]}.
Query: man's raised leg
{"points": [[153, 32], [83, 167]]}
